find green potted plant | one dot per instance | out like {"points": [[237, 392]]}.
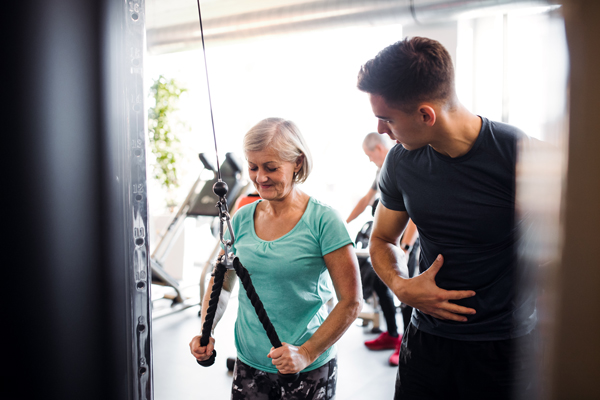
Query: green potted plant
{"points": [[163, 138]]}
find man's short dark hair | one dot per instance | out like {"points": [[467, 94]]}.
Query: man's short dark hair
{"points": [[409, 72]]}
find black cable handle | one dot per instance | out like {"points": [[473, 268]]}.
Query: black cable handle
{"points": [[244, 276], [220, 189], [242, 272], [219, 277]]}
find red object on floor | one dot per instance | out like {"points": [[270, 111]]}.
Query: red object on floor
{"points": [[395, 358], [384, 342]]}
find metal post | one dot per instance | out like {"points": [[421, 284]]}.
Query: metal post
{"points": [[136, 209], [76, 257]]}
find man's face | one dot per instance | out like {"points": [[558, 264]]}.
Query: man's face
{"points": [[377, 155], [400, 126]]}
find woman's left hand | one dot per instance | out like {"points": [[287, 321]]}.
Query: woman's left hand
{"points": [[289, 359]]}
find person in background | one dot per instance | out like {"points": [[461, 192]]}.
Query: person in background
{"points": [[471, 334], [376, 147], [295, 248]]}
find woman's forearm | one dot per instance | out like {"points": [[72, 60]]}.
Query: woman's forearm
{"points": [[342, 265], [228, 285], [341, 317]]}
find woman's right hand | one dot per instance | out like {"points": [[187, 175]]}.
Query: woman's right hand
{"points": [[199, 352]]}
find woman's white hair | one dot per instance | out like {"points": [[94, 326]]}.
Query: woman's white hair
{"points": [[373, 139], [285, 138]]}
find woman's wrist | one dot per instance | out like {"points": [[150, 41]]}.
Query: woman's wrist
{"points": [[307, 353]]}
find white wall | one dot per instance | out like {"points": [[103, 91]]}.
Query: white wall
{"points": [[309, 78], [511, 67]]}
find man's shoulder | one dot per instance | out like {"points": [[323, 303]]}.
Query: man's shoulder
{"points": [[502, 131], [502, 139]]}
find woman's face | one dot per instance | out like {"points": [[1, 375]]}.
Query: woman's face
{"points": [[272, 177]]}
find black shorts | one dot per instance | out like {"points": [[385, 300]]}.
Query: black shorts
{"points": [[253, 384], [433, 367]]}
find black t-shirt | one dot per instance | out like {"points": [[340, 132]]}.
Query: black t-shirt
{"points": [[464, 209]]}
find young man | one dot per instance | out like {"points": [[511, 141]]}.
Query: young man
{"points": [[376, 147], [454, 176]]}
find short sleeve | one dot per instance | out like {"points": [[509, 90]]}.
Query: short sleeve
{"points": [[333, 233], [391, 197]]}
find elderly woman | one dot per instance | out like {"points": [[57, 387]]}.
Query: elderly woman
{"points": [[294, 247]]}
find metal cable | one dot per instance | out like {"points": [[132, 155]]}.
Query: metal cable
{"points": [[220, 189], [413, 12], [212, 120]]}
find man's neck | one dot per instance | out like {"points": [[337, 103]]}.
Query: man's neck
{"points": [[458, 131]]}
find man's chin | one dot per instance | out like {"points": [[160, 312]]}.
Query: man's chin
{"points": [[410, 147]]}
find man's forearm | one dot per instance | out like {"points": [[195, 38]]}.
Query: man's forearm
{"points": [[389, 262]]}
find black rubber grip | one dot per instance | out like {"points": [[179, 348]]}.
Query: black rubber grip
{"points": [[244, 276], [210, 361], [210, 313], [259, 308]]}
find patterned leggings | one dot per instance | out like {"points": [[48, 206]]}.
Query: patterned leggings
{"points": [[253, 384]]}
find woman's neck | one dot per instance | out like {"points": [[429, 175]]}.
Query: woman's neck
{"points": [[295, 201]]}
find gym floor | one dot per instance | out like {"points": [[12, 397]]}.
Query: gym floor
{"points": [[363, 374]]}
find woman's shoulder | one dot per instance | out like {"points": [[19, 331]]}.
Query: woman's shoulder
{"points": [[321, 211], [245, 212], [326, 224], [318, 205]]}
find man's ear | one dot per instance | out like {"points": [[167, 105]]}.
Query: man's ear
{"points": [[427, 114]]}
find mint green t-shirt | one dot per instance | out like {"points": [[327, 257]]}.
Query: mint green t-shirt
{"points": [[291, 279]]}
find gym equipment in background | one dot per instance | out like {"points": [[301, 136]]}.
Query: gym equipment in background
{"points": [[200, 202]]}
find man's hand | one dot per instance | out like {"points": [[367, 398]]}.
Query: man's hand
{"points": [[289, 359], [422, 293]]}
